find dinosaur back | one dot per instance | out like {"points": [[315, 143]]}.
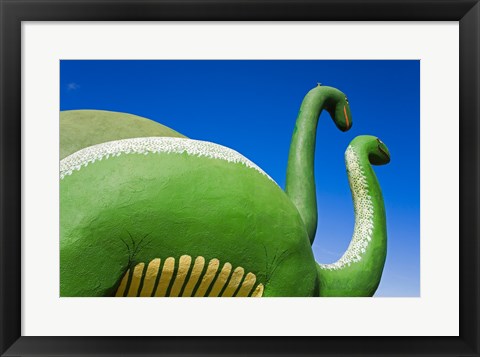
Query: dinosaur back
{"points": [[83, 128]]}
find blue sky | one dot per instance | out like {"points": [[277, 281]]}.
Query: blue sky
{"points": [[251, 106]]}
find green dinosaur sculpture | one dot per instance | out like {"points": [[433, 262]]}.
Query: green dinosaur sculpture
{"points": [[166, 216]]}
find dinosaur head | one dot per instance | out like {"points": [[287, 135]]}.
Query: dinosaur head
{"points": [[339, 108], [378, 153]]}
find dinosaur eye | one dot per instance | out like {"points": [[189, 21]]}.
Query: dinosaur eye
{"points": [[346, 99]]}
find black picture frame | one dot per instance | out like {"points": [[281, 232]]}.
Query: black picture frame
{"points": [[13, 12]]}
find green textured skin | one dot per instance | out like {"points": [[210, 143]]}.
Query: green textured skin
{"points": [[199, 206], [82, 128], [133, 208]]}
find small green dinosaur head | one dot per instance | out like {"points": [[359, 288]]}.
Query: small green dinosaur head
{"points": [[378, 153]]}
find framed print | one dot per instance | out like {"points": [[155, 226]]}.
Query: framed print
{"points": [[321, 162]]}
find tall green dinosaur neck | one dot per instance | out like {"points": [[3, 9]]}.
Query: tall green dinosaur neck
{"points": [[359, 270], [300, 182], [369, 231]]}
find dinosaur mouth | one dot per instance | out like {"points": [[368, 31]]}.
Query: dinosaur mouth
{"points": [[347, 122], [384, 153], [171, 280]]}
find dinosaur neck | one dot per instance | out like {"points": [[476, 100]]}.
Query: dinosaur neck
{"points": [[362, 264], [300, 182]]}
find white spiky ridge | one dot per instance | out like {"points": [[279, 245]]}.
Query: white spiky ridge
{"points": [[364, 212], [152, 145]]}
